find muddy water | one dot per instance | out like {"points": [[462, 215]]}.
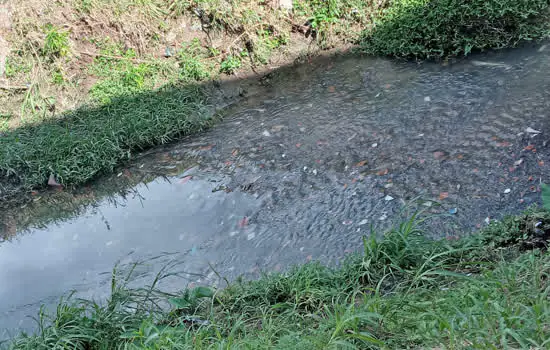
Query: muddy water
{"points": [[302, 170]]}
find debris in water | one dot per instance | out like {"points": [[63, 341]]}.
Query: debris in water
{"points": [[314, 171], [453, 211], [243, 222], [251, 236], [383, 217], [530, 130], [427, 99], [487, 220], [185, 179], [347, 222], [490, 64], [507, 190], [439, 155], [363, 222], [266, 133], [374, 145], [518, 162], [427, 204], [388, 198]]}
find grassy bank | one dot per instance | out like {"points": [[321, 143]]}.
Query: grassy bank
{"points": [[88, 82], [489, 290], [91, 140]]}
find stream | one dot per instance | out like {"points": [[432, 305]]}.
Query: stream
{"points": [[320, 155]]}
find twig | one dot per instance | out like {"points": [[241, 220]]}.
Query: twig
{"points": [[14, 87], [115, 57]]}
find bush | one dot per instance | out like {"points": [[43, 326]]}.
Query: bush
{"points": [[441, 28]]}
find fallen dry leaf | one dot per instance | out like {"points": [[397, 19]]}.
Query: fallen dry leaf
{"points": [[361, 163], [443, 195]]}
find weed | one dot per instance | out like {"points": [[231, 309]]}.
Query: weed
{"points": [[191, 66], [545, 196], [122, 76], [56, 43], [57, 77], [230, 64], [4, 122]]}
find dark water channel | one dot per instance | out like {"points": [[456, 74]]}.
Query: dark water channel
{"points": [[299, 171]]}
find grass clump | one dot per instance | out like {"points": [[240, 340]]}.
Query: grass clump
{"points": [[92, 140], [56, 43], [440, 28], [403, 291]]}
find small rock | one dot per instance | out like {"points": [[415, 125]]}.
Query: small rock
{"points": [[314, 171], [266, 133], [52, 181], [427, 99], [518, 162], [487, 220], [383, 217], [388, 198], [168, 52], [427, 204], [363, 222], [507, 190], [453, 211], [390, 185], [374, 145]]}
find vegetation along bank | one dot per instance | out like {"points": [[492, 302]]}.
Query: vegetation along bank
{"points": [[485, 291]]}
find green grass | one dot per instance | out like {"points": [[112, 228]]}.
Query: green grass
{"points": [[402, 291], [56, 43], [95, 139], [442, 28]]}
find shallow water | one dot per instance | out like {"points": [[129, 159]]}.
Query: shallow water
{"points": [[299, 171]]}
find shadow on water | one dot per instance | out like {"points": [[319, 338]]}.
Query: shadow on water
{"points": [[309, 160]]}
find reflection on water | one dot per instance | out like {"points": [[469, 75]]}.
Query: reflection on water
{"points": [[79, 254], [301, 170]]}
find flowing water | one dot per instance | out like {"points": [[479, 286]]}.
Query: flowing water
{"points": [[321, 155]]}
